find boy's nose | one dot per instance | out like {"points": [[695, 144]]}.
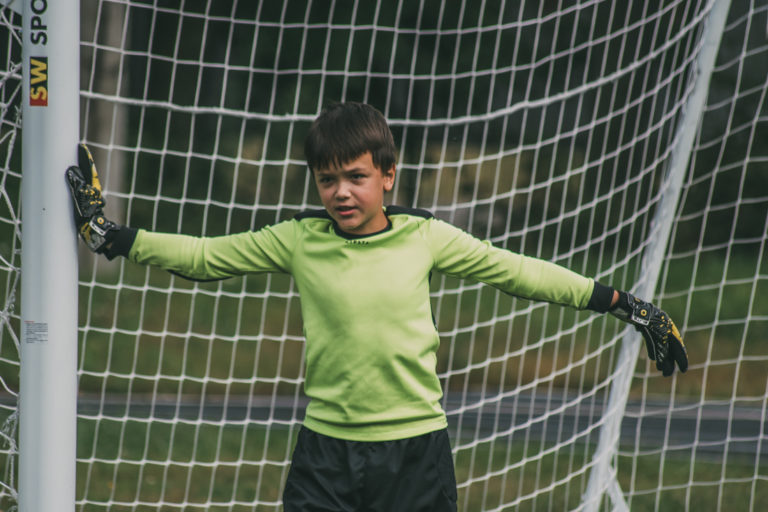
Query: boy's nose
{"points": [[342, 190]]}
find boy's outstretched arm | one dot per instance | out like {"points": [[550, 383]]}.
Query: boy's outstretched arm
{"points": [[101, 235], [662, 339], [462, 255]]}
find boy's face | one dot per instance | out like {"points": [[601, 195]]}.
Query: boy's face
{"points": [[353, 194]]}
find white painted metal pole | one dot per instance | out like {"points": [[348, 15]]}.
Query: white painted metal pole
{"points": [[50, 128], [603, 475]]}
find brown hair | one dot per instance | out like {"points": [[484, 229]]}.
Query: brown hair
{"points": [[344, 131]]}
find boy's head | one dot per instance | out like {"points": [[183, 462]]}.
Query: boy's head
{"points": [[351, 153], [344, 131]]}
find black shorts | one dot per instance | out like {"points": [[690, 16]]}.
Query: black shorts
{"points": [[406, 475]]}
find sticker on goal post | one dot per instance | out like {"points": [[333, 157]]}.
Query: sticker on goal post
{"points": [[35, 332], [38, 81]]}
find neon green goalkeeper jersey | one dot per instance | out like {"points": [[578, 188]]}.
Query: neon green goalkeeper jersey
{"points": [[371, 341]]}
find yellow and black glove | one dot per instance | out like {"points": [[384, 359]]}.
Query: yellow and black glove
{"points": [[95, 229], [662, 339]]}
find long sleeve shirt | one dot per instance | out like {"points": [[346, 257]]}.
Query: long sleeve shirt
{"points": [[371, 341]]}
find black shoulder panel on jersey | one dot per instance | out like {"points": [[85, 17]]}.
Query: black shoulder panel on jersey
{"points": [[403, 210], [309, 214]]}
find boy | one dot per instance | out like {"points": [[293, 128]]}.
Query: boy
{"points": [[374, 436]]}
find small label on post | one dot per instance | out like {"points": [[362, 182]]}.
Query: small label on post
{"points": [[38, 81], [35, 332]]}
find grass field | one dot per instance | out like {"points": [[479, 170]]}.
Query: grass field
{"points": [[205, 467]]}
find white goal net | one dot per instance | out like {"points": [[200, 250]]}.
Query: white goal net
{"points": [[623, 140]]}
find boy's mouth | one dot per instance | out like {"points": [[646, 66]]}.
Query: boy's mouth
{"points": [[345, 210]]}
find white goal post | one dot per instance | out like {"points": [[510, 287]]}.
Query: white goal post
{"points": [[622, 140], [47, 330]]}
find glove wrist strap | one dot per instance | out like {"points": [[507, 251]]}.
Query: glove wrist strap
{"points": [[631, 309]]}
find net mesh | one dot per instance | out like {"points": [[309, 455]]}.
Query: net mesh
{"points": [[545, 127]]}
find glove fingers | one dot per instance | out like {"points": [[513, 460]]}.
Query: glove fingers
{"points": [[75, 178], [76, 185], [679, 355], [677, 347], [667, 366], [88, 167], [85, 188], [649, 346]]}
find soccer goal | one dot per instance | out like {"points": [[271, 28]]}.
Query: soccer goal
{"points": [[623, 140]]}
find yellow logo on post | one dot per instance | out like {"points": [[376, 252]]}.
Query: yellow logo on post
{"points": [[38, 81]]}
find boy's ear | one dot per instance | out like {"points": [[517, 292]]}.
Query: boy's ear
{"points": [[389, 179]]}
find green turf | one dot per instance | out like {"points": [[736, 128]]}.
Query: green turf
{"points": [[187, 466]]}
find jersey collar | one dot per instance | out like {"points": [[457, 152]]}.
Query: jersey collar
{"points": [[350, 236]]}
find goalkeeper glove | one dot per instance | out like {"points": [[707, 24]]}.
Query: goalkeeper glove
{"points": [[96, 231], [662, 339]]}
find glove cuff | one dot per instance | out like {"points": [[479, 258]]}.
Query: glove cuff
{"points": [[601, 298], [122, 242]]}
